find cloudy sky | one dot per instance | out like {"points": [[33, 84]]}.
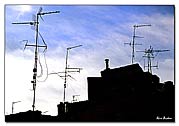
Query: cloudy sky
{"points": [[102, 30]]}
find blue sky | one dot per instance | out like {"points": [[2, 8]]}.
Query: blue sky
{"points": [[102, 30]]}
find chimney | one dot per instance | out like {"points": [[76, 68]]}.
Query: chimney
{"points": [[107, 64]]}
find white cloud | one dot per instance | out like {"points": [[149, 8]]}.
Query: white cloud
{"points": [[48, 94], [166, 70], [20, 9], [17, 80], [161, 31]]}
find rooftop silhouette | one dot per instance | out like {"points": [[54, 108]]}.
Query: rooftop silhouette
{"points": [[124, 94]]}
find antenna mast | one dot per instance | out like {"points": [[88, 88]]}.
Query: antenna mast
{"points": [[36, 45], [133, 40], [13, 105], [149, 54], [68, 70]]}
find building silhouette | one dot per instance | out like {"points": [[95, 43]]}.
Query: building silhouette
{"points": [[124, 94]]}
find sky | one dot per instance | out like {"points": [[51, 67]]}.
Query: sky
{"points": [[102, 32]]}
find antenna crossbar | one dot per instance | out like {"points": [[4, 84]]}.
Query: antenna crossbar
{"points": [[142, 25], [31, 23], [37, 45], [51, 12]]}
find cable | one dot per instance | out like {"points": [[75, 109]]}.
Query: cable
{"points": [[72, 89], [57, 73], [45, 60], [41, 71], [156, 54], [46, 68], [42, 39], [71, 77]]}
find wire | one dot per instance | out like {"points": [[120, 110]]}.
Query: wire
{"points": [[41, 68], [45, 61], [57, 73], [46, 68], [71, 77], [156, 54], [72, 89], [42, 39]]}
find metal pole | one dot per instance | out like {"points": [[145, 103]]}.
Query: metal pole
{"points": [[133, 42], [66, 65], [13, 106], [66, 71], [148, 56], [35, 65], [150, 66], [133, 39]]}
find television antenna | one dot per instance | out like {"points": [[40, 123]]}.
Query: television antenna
{"points": [[13, 105], [35, 23], [149, 54], [67, 71], [45, 112], [75, 98], [132, 44]]}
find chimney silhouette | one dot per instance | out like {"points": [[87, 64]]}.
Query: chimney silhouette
{"points": [[107, 64]]}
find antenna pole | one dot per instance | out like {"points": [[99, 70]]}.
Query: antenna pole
{"points": [[66, 65], [133, 39], [149, 63], [133, 48], [36, 58], [36, 24], [13, 105], [67, 69]]}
